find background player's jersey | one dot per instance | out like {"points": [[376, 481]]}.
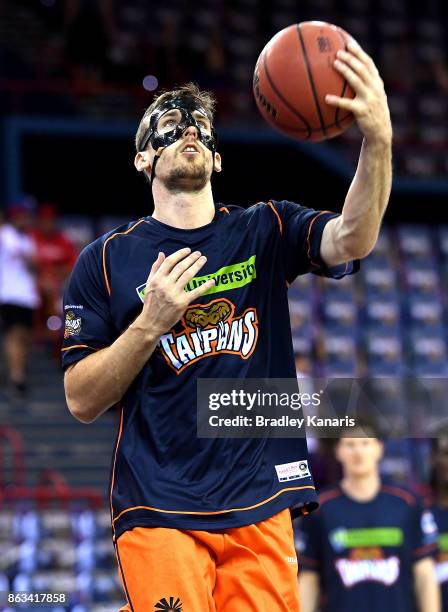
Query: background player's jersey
{"points": [[364, 552], [163, 475], [441, 518]]}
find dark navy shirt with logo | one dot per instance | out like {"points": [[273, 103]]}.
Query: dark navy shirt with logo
{"points": [[364, 552], [441, 518], [162, 473]]}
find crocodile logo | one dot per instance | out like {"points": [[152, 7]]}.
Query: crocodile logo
{"points": [[211, 315]]}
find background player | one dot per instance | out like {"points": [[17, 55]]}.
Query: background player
{"points": [[439, 508], [19, 296], [220, 505], [370, 545]]}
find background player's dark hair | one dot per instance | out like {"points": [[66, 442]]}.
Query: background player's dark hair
{"points": [[435, 447], [205, 98], [366, 427]]}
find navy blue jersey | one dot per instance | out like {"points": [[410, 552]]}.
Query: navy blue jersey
{"points": [[441, 518], [364, 552], [163, 475]]}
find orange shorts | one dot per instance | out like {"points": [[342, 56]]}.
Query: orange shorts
{"points": [[245, 569]]}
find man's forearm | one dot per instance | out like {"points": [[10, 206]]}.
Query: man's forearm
{"points": [[353, 235], [367, 198], [427, 589], [99, 381], [429, 599], [309, 591]]}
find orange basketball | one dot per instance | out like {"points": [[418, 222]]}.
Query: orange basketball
{"points": [[293, 75]]}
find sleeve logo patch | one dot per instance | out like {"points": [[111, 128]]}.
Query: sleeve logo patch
{"points": [[428, 524], [72, 324]]}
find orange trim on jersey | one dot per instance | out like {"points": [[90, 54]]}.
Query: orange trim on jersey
{"points": [[225, 209], [280, 224], [423, 549], [327, 495], [68, 348], [322, 212], [216, 511], [104, 251], [408, 497], [112, 482]]}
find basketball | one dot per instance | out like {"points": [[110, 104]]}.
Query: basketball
{"points": [[292, 76]]}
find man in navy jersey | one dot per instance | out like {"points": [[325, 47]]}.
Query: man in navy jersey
{"points": [[370, 545], [439, 508], [200, 291]]}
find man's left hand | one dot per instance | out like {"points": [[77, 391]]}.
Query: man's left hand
{"points": [[369, 105]]}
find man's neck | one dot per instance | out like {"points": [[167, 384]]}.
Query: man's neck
{"points": [[362, 488], [184, 210]]}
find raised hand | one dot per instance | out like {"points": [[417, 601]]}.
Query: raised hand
{"points": [[165, 297], [370, 103]]}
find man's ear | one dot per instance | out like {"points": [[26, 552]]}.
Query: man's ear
{"points": [[142, 161], [218, 162]]}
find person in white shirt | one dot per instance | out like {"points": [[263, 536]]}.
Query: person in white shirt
{"points": [[19, 295]]}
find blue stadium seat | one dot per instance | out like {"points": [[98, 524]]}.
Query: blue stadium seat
{"points": [[381, 316], [339, 316], [84, 526], [425, 315], [380, 281], [338, 356], [384, 354], [422, 280], [428, 353], [415, 243], [301, 315]]}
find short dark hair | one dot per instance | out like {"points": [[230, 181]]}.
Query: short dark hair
{"points": [[365, 427], [205, 98]]}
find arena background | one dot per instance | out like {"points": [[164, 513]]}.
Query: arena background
{"points": [[75, 78]]}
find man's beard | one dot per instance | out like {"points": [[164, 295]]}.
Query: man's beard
{"points": [[191, 177]]}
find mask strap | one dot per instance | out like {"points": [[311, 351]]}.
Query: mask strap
{"points": [[154, 163]]}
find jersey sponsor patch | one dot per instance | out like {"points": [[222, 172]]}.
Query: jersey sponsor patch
{"points": [[442, 559], [72, 324], [443, 543], [342, 538], [229, 277], [209, 330], [292, 471]]}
